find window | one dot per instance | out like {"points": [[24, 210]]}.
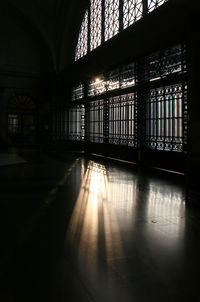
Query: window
{"points": [[122, 120], [151, 92], [95, 23], [13, 124], [132, 11], [78, 92], [166, 62], [166, 109], [94, 122], [81, 48], [165, 116], [97, 86], [111, 18], [105, 18], [152, 4], [120, 78], [77, 123]]}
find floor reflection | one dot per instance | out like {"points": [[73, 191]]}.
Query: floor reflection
{"points": [[117, 217], [166, 211], [103, 206]]}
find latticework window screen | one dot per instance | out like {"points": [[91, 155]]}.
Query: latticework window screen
{"points": [[77, 123], [153, 4], [132, 11], [94, 121], [165, 112], [81, 48], [95, 23], [123, 120], [78, 92], [92, 33], [111, 18]]}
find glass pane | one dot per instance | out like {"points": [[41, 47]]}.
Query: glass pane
{"points": [[132, 11], [95, 23], [111, 18], [81, 48]]}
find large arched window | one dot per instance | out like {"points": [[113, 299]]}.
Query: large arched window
{"points": [[105, 18]]}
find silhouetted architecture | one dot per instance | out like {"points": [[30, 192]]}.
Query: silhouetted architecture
{"points": [[88, 82]]}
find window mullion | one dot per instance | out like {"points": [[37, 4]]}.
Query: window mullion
{"points": [[121, 5], [145, 7]]}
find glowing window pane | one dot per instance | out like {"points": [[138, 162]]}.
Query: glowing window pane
{"points": [[132, 11], [165, 116], [152, 4], [165, 62], [81, 48], [78, 92], [95, 23], [94, 121], [122, 120], [111, 18], [96, 87], [77, 123]]}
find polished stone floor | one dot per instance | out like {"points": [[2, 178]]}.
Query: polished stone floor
{"points": [[75, 228]]}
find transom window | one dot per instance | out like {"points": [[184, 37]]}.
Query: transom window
{"points": [[111, 18], [152, 4], [115, 104], [132, 11], [105, 18], [95, 23], [81, 48]]}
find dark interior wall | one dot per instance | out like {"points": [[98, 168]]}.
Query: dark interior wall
{"points": [[24, 45], [194, 109], [35, 38]]}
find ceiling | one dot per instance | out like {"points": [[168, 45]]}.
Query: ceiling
{"points": [[39, 36]]}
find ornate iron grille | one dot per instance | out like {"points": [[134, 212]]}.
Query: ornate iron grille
{"points": [[153, 4], [166, 118], [119, 78], [113, 80], [78, 92], [128, 76], [107, 18], [111, 18], [165, 62], [123, 120], [81, 48], [97, 86], [132, 11], [95, 23], [77, 123], [94, 121]]}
